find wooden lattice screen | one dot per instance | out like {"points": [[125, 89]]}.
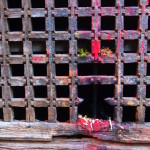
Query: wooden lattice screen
{"points": [[42, 75]]}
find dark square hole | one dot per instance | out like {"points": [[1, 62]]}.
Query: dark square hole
{"points": [[147, 91], [61, 47], [0, 70], [108, 3], [61, 3], [18, 91], [85, 44], [148, 48], [16, 48], [84, 23], [15, 24], [148, 69], [131, 22], [19, 113], [41, 113], [129, 114], [40, 69], [94, 104], [1, 113], [0, 92], [130, 69], [147, 114], [88, 69], [40, 91], [130, 46], [38, 3], [108, 44], [131, 3], [17, 70], [38, 24], [84, 3], [108, 23], [39, 47], [129, 90], [148, 23], [62, 91], [63, 114], [14, 3], [61, 23], [62, 69]]}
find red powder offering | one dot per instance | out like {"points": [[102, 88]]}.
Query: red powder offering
{"points": [[95, 48]]}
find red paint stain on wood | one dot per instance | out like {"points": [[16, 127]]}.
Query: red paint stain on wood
{"points": [[48, 52], [108, 37], [95, 48], [46, 2], [143, 49]]}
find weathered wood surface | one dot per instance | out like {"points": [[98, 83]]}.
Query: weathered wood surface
{"points": [[71, 143], [44, 131]]}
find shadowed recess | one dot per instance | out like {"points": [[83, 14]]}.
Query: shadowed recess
{"points": [[94, 105], [130, 69], [84, 23], [14, 4], [38, 3], [19, 113], [62, 114], [87, 69], [84, 3], [15, 24], [107, 3], [41, 113]]}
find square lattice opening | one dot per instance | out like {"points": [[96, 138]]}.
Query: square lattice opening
{"points": [[147, 114], [148, 46], [62, 91], [108, 44], [83, 3], [129, 3], [40, 69], [17, 70], [38, 24], [108, 3], [62, 114], [0, 92], [18, 91], [131, 22], [39, 47], [148, 69], [147, 91], [130, 69], [19, 113], [61, 24], [41, 113], [15, 24], [62, 69], [14, 4], [40, 91], [130, 46], [94, 105], [61, 3], [85, 44], [84, 23], [38, 4], [15, 48], [1, 114], [61, 47], [129, 114], [108, 23], [87, 69], [129, 90]]}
